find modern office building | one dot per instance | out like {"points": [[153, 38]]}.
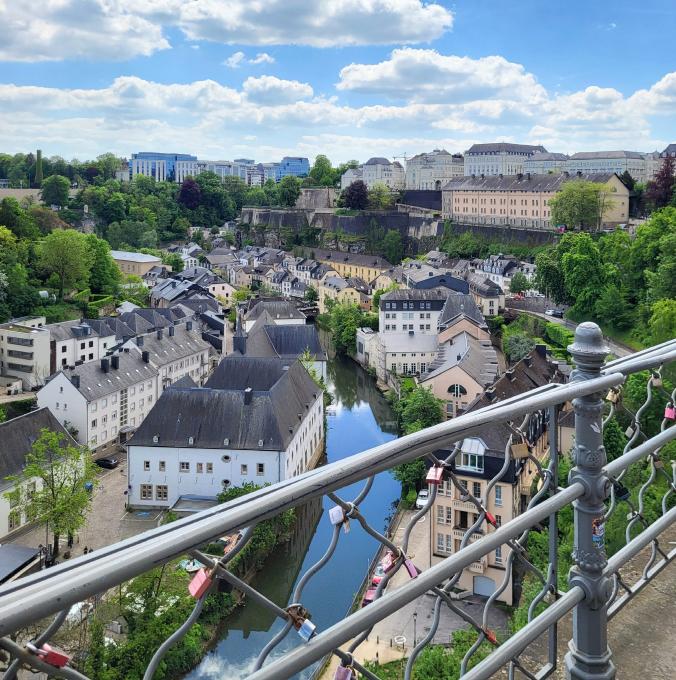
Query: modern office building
{"points": [[160, 166], [298, 166]]}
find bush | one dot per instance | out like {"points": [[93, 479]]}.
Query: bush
{"points": [[559, 334], [410, 498]]}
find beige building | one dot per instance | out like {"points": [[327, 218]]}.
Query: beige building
{"points": [[489, 297], [430, 171], [366, 267], [479, 461], [523, 200], [352, 291], [376, 170], [138, 264], [498, 158]]}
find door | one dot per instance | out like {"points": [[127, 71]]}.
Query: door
{"points": [[483, 585]]}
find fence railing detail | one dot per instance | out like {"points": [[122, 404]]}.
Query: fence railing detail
{"points": [[596, 590]]}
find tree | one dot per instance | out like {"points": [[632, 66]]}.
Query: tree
{"points": [[113, 208], [190, 194], [614, 439], [580, 204], [419, 409], [105, 275], [662, 324], [628, 180], [392, 247], [38, 169], [380, 197], [67, 255], [517, 346], [322, 173], [583, 272], [54, 191], [311, 295], [356, 196], [60, 498], [660, 191], [289, 190], [612, 308], [519, 283]]}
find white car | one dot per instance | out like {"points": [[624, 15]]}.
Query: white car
{"points": [[421, 500]]}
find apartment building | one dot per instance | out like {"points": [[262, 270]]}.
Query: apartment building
{"points": [[102, 401], [430, 171], [79, 342], [499, 158], [366, 267], [257, 420], [376, 170], [283, 312], [25, 351], [138, 264], [209, 281], [543, 163], [523, 200], [608, 162], [480, 459], [351, 291], [487, 294], [160, 166]]}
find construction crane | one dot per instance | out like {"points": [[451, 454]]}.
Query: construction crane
{"points": [[405, 157]]}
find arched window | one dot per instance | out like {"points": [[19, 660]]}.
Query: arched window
{"points": [[457, 391]]}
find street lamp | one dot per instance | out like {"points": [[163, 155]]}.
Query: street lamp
{"points": [[415, 621]]}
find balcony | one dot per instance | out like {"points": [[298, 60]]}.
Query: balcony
{"points": [[478, 567], [467, 506], [459, 532]]}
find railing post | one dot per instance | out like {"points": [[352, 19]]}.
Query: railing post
{"points": [[589, 657]]}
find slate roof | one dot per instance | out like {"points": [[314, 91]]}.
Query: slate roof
{"points": [[172, 289], [66, 330], [17, 437], [476, 357], [416, 294], [460, 304], [267, 339], [498, 147], [133, 257], [522, 182], [94, 383], [669, 150], [165, 350], [482, 285], [277, 309], [281, 391], [13, 558], [377, 160], [593, 155], [542, 156]]}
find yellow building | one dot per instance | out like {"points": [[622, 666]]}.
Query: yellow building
{"points": [[523, 200], [135, 263], [351, 291], [366, 267]]}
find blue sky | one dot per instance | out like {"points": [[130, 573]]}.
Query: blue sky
{"points": [[231, 78]]}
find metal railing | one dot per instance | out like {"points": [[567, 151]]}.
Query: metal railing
{"points": [[596, 591]]}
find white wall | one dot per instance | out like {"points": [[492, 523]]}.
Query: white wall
{"points": [[66, 403]]}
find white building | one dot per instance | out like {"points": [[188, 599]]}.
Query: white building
{"points": [[351, 175], [24, 351], [102, 400], [16, 441], [149, 168], [430, 171], [541, 163], [376, 170], [257, 420], [500, 158], [597, 162], [79, 341]]}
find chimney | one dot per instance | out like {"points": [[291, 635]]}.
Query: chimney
{"points": [[528, 176], [145, 355], [579, 173], [541, 350], [115, 361], [105, 365], [239, 338], [520, 176], [188, 326], [172, 330], [248, 395], [75, 379], [159, 333], [139, 341]]}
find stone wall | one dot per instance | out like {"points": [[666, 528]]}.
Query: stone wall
{"points": [[317, 199]]}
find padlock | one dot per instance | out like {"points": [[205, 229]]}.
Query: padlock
{"points": [[490, 636], [200, 583], [629, 432], [434, 475], [336, 514], [490, 519], [657, 380], [53, 657], [307, 630], [612, 396], [344, 673], [411, 568], [659, 463], [621, 492], [520, 450], [388, 561], [670, 412]]}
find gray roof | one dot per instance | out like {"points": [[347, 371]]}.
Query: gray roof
{"points": [[133, 257], [593, 155], [281, 392], [377, 160], [476, 357], [94, 383], [13, 558], [277, 309], [171, 289], [18, 435], [286, 342], [66, 330], [545, 156], [481, 284], [461, 304], [417, 294], [165, 350], [499, 147], [522, 182], [670, 149]]}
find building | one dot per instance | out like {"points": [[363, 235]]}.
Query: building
{"points": [[480, 459], [352, 291], [608, 162], [487, 294], [499, 158], [377, 170], [102, 401], [298, 166], [543, 163], [432, 170], [25, 351], [78, 342], [257, 420], [351, 175], [194, 167], [16, 441], [523, 200], [282, 312], [209, 281], [160, 166], [366, 267], [138, 264]]}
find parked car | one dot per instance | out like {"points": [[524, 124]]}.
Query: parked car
{"points": [[378, 574], [421, 500], [558, 313], [108, 463]]}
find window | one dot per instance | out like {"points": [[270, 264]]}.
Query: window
{"points": [[210, 468], [498, 520], [440, 542], [457, 391], [146, 465], [14, 520], [476, 489], [63, 349], [104, 403], [161, 492], [498, 495], [184, 466], [93, 407], [473, 461], [162, 466], [243, 470], [260, 468], [200, 467], [146, 492], [440, 515], [94, 422], [498, 555]]}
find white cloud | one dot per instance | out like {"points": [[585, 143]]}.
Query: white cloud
{"points": [[660, 99], [123, 29], [234, 60], [238, 58], [270, 90], [262, 58]]}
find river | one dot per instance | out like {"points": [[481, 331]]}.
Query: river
{"points": [[359, 418]]}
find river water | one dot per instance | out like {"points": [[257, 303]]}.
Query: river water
{"points": [[359, 418]]}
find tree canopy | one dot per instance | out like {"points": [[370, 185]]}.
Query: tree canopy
{"points": [[580, 204], [356, 196], [54, 190]]}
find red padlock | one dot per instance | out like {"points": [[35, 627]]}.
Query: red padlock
{"points": [[490, 519], [670, 412], [200, 584], [53, 657], [490, 636], [434, 475]]}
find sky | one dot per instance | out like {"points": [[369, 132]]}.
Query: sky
{"points": [[261, 79]]}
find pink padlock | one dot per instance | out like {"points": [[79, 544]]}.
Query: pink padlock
{"points": [[388, 561], [670, 412], [411, 568], [52, 656], [199, 584], [434, 475], [344, 673]]}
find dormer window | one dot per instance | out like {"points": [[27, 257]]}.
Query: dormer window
{"points": [[472, 455]]}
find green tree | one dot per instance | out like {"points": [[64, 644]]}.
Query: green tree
{"points": [[67, 255], [54, 191], [612, 308], [322, 173], [311, 295], [580, 204], [289, 190], [105, 275], [583, 271], [392, 246], [380, 197], [60, 500], [519, 283], [419, 409], [517, 346], [344, 319], [614, 439], [356, 196], [662, 324], [113, 208], [173, 260]]}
